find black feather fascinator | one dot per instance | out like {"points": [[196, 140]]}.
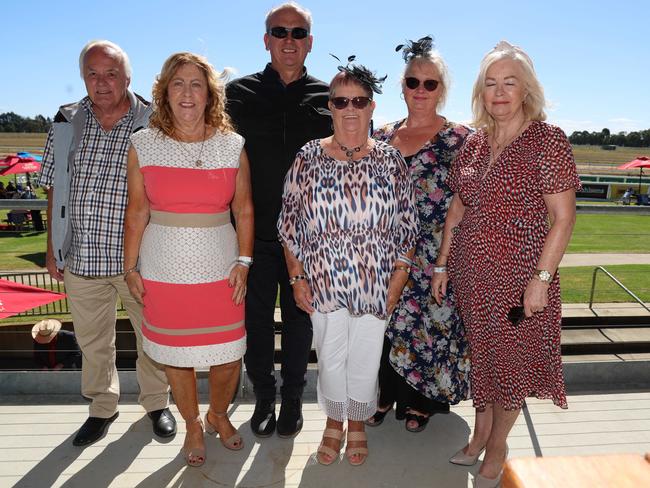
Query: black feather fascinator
{"points": [[362, 74], [416, 48]]}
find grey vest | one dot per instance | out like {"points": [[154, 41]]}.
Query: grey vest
{"points": [[66, 138]]}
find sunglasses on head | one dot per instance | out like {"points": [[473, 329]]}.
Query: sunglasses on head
{"points": [[357, 102], [282, 32], [412, 83]]}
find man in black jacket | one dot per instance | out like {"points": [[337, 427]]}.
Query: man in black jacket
{"points": [[277, 111]]}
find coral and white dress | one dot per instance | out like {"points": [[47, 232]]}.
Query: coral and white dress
{"points": [[188, 250]]}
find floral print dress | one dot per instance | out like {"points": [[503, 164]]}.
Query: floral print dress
{"points": [[428, 344]]}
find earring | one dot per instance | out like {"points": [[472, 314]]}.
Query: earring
{"points": [[401, 95]]}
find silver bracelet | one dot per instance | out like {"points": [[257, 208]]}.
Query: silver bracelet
{"points": [[129, 271], [405, 259], [440, 269], [245, 259], [247, 264]]}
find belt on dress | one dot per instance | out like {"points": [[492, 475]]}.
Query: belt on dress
{"points": [[175, 219]]}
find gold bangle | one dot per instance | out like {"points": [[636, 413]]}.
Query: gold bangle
{"points": [[406, 269]]}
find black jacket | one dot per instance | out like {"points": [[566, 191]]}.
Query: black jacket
{"points": [[276, 120]]}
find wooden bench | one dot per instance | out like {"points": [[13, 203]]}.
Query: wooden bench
{"points": [[608, 471]]}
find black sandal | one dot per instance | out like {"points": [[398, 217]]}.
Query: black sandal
{"points": [[421, 421], [377, 418]]}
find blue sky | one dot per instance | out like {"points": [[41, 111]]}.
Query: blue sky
{"points": [[591, 56]]}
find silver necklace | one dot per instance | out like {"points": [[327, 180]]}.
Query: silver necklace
{"points": [[198, 162], [349, 152]]}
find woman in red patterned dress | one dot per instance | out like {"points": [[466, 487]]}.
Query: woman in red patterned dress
{"points": [[507, 228]]}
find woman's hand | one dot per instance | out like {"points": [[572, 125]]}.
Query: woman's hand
{"points": [[136, 286], [303, 297], [237, 280], [395, 286], [439, 286], [535, 297]]}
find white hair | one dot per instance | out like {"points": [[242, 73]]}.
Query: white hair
{"points": [[534, 102], [109, 46], [306, 14]]}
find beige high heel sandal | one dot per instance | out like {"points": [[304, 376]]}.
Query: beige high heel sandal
{"points": [[234, 442], [195, 456], [362, 452], [330, 433]]}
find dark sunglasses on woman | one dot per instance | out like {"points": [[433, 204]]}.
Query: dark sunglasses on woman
{"points": [[413, 83], [282, 32], [357, 102]]}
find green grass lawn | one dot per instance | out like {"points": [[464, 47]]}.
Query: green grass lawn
{"points": [[576, 283], [22, 250], [611, 233]]}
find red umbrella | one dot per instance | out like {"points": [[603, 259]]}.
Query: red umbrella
{"points": [[16, 298], [23, 165], [640, 162], [9, 160]]}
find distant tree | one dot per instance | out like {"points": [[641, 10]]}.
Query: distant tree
{"points": [[11, 122], [605, 135]]}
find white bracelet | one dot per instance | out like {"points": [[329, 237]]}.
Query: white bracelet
{"points": [[245, 259], [243, 263], [440, 269]]}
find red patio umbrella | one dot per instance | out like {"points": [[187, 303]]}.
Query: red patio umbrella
{"points": [[23, 165], [9, 160], [16, 298], [640, 162]]}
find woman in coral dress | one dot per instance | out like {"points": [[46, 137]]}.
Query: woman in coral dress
{"points": [[185, 175]]}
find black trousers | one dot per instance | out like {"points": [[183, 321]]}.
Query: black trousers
{"points": [[267, 273], [393, 388]]}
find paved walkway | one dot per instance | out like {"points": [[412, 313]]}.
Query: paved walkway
{"points": [[36, 449]]}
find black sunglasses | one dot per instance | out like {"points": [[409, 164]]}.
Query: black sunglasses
{"points": [[357, 102], [282, 32], [413, 83]]}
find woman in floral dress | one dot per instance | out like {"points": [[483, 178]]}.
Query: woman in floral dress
{"points": [[425, 362]]}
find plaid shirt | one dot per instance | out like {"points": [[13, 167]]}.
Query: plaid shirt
{"points": [[98, 195]]}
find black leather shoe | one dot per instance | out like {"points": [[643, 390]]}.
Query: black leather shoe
{"points": [[93, 429], [263, 419], [290, 418], [164, 423]]}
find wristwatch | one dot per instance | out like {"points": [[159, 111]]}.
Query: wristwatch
{"points": [[543, 275]]}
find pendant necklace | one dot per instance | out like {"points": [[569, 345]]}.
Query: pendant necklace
{"points": [[349, 152], [198, 162], [500, 147]]}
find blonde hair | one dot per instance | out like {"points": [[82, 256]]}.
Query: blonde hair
{"points": [[215, 113], [534, 102], [434, 58]]}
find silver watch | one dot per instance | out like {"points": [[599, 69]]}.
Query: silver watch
{"points": [[543, 275]]}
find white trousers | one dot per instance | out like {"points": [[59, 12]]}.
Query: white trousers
{"points": [[349, 350]]}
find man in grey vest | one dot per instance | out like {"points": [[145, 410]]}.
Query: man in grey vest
{"points": [[84, 168]]}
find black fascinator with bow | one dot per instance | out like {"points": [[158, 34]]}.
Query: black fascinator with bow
{"points": [[415, 48], [362, 74]]}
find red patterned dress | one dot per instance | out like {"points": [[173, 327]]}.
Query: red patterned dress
{"points": [[494, 253]]}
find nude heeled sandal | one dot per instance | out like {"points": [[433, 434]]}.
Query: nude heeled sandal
{"points": [[234, 442], [362, 452], [195, 456], [328, 451]]}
